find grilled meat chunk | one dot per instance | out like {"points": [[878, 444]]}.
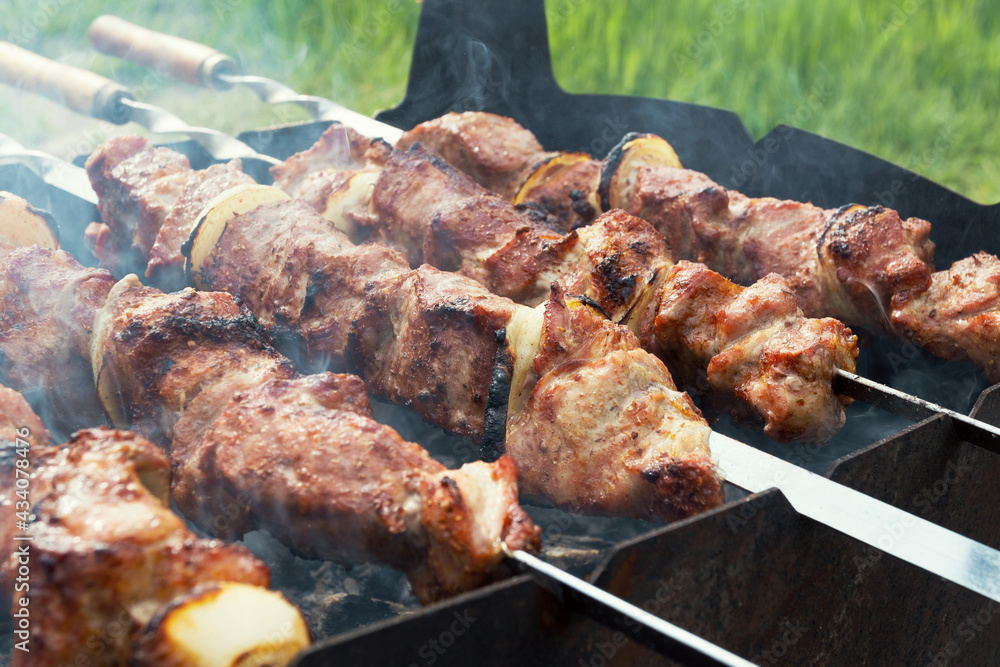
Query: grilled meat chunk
{"points": [[48, 305], [154, 353], [959, 316], [137, 185], [106, 549], [846, 263], [428, 339], [757, 346], [339, 147], [426, 208], [495, 151], [254, 447], [166, 263], [300, 276], [603, 429], [321, 474]]}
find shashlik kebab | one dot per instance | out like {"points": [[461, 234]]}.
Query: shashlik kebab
{"points": [[580, 398], [93, 563], [594, 423], [777, 370], [861, 264], [749, 351], [253, 445], [179, 629]]}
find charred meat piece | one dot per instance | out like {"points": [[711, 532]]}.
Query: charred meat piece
{"points": [[494, 150], [598, 426], [137, 185], [253, 447], [154, 353], [300, 276], [48, 306], [166, 263], [349, 485], [422, 205], [959, 316], [845, 263], [758, 347]]}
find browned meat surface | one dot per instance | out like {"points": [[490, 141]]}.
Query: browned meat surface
{"points": [[604, 430], [253, 447], [412, 188], [757, 346], [137, 185], [349, 485], [47, 307], [438, 215], [428, 339], [504, 157], [431, 340], [959, 316], [166, 263], [845, 263], [300, 276], [106, 549], [338, 148], [494, 150]]}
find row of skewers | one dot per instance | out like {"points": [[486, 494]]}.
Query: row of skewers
{"points": [[617, 295]]}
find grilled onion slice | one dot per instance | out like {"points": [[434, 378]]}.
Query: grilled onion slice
{"points": [[564, 185], [22, 225], [215, 216], [353, 194], [633, 151], [224, 625]]}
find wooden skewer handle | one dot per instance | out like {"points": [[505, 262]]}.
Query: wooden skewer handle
{"points": [[78, 89], [180, 58]]}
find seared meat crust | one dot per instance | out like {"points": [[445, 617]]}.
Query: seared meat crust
{"points": [[321, 474], [959, 316], [48, 305], [137, 185], [428, 339], [106, 549], [166, 263], [494, 150], [300, 276]]}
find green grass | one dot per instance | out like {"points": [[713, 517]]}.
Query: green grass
{"points": [[912, 81]]}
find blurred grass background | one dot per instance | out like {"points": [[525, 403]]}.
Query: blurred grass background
{"points": [[914, 81]]}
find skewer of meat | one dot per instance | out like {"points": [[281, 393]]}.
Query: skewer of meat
{"points": [[861, 264], [88, 542], [750, 352], [594, 423], [253, 445]]}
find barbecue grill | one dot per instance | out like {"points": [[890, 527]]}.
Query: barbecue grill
{"points": [[754, 576]]}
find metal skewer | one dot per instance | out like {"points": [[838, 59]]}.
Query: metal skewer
{"points": [[896, 532], [102, 98], [204, 66]]}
